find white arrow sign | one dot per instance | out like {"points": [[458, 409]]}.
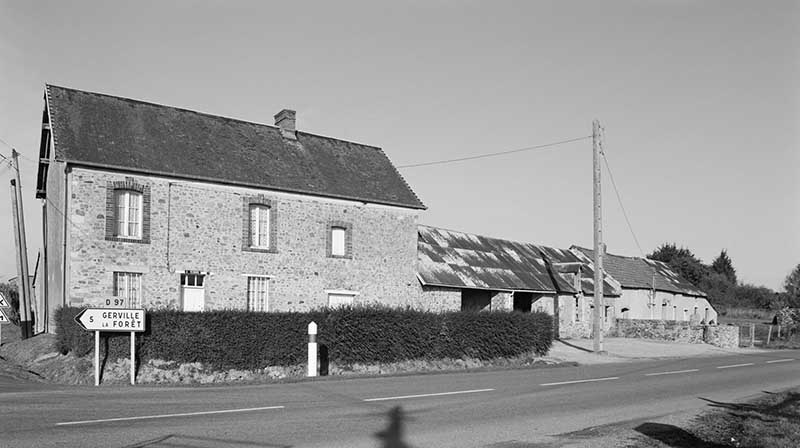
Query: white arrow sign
{"points": [[111, 319], [3, 318]]}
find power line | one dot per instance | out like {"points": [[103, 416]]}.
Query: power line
{"points": [[493, 154], [619, 199]]}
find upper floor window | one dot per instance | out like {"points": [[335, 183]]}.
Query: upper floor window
{"points": [[129, 214], [128, 288], [259, 226], [128, 211], [339, 239]]}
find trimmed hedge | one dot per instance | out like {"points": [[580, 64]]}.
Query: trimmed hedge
{"points": [[245, 340]]}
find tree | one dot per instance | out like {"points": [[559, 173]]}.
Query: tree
{"points": [[791, 287], [683, 261], [723, 265]]}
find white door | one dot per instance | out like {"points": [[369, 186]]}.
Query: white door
{"points": [[193, 293]]}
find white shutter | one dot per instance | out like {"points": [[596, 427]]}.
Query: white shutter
{"points": [[338, 241]]}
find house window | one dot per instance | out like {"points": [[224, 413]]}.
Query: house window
{"points": [[129, 214], [339, 298], [128, 288], [577, 309], [128, 211], [339, 239], [257, 293], [259, 226]]}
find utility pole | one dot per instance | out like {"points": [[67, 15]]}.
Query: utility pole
{"points": [[23, 280], [599, 308]]}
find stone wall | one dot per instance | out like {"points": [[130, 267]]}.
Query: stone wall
{"points": [[197, 226], [678, 331], [726, 336]]}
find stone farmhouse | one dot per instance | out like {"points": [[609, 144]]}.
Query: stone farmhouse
{"points": [[156, 206], [652, 290]]}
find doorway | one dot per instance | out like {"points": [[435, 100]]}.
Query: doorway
{"points": [[193, 293]]}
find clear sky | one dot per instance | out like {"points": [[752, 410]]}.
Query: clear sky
{"points": [[700, 101]]}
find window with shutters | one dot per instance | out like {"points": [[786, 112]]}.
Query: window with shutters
{"points": [[128, 288], [257, 293], [340, 298], [339, 239]]}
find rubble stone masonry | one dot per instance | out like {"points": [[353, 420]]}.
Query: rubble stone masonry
{"points": [[197, 226]]}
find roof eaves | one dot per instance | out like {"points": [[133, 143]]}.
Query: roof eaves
{"points": [[241, 184]]}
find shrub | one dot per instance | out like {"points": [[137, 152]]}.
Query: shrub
{"points": [[245, 340]]}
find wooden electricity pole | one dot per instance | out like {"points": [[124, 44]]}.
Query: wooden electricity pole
{"points": [[23, 280], [599, 308]]}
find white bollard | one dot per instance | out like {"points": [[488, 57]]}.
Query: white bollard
{"points": [[312, 349]]}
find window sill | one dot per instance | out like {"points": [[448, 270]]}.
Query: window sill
{"points": [[263, 250], [341, 257], [128, 240]]}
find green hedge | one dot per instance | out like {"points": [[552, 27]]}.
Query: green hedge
{"points": [[243, 340]]}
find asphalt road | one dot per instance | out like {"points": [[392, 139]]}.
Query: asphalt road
{"points": [[510, 408]]}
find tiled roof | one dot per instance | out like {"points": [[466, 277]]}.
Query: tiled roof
{"points": [[642, 273], [107, 131], [463, 260]]}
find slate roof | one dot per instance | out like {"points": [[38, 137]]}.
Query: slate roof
{"points": [[638, 273], [463, 260], [94, 129]]}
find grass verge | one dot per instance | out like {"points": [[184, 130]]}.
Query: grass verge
{"points": [[772, 420]]}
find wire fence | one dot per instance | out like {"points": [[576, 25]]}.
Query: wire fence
{"points": [[769, 336]]}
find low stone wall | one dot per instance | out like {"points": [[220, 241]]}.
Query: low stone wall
{"points": [[725, 336]]}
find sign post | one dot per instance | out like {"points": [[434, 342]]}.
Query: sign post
{"points": [[114, 320], [3, 316]]}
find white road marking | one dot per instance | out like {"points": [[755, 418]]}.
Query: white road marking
{"points": [[184, 414], [780, 360], [671, 372], [581, 381], [735, 365], [402, 397]]}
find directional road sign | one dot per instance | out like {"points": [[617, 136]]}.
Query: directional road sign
{"points": [[111, 319], [3, 318]]}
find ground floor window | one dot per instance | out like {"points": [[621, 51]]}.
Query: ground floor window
{"points": [[257, 293], [128, 289], [339, 298]]}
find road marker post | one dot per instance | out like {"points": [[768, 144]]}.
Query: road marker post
{"points": [[312, 349], [125, 320]]}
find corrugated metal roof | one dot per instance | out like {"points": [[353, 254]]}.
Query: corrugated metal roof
{"points": [[642, 273], [463, 260], [565, 263]]}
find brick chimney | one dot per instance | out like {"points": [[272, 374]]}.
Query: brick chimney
{"points": [[285, 120]]}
